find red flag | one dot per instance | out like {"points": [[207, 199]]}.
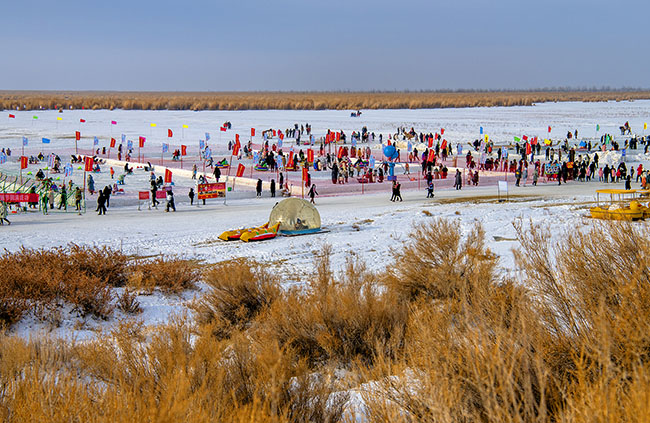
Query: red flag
{"points": [[240, 170], [310, 155], [168, 176], [525, 138], [183, 150], [12, 116], [338, 136], [290, 162], [534, 141], [549, 129], [442, 131], [305, 174], [274, 133], [235, 150], [430, 142], [88, 164], [113, 122], [23, 162], [169, 133], [340, 153], [223, 129], [444, 144], [112, 142], [281, 135], [141, 141], [252, 132], [82, 120], [432, 156], [237, 138], [77, 135], [528, 148]]}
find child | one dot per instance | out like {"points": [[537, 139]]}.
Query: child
{"points": [[430, 190], [191, 195]]}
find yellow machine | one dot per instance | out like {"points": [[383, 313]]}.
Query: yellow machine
{"points": [[623, 205]]}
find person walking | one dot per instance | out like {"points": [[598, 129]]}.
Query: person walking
{"points": [[398, 193], [272, 187], [107, 195], [3, 213], [154, 190], [535, 176], [63, 199], [430, 190], [393, 190], [312, 193], [101, 203], [91, 184], [191, 195], [458, 182], [258, 188], [170, 200], [77, 199], [217, 173]]}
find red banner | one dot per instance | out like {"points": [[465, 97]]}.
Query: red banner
{"points": [[216, 190], [168, 176], [290, 161], [18, 198], [141, 141], [170, 133], [88, 164], [112, 142], [432, 156], [274, 133], [444, 144], [240, 170], [183, 150], [235, 150], [252, 132], [143, 195], [23, 162], [442, 131], [237, 138], [305, 174], [310, 155], [77, 135], [338, 136], [223, 129]]}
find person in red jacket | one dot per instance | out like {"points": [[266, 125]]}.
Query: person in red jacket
{"points": [[639, 172]]}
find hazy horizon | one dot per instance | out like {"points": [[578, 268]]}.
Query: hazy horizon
{"points": [[294, 46]]}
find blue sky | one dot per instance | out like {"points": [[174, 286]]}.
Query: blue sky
{"points": [[323, 45]]}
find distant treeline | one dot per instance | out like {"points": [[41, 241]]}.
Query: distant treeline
{"points": [[35, 100]]}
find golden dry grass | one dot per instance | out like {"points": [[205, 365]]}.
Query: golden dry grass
{"points": [[442, 337], [33, 100]]}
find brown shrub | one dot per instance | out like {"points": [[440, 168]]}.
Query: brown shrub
{"points": [[239, 290], [170, 275]]}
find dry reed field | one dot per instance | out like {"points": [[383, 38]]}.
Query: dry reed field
{"points": [[441, 336], [33, 100]]}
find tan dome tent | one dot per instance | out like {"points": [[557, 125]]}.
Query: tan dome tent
{"points": [[295, 216]]}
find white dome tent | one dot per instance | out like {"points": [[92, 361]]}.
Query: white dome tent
{"points": [[296, 216]]}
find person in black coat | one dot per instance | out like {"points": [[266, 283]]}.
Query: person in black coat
{"points": [[258, 188], [101, 203], [272, 187]]}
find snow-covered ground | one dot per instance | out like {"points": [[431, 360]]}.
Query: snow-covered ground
{"points": [[369, 226]]}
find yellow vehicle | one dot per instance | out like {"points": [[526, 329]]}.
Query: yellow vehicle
{"points": [[260, 234], [622, 205]]}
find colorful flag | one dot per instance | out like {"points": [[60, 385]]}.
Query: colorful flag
{"points": [[201, 144], [59, 118], [235, 150], [168, 176], [113, 142], [23, 162], [525, 138], [12, 116], [480, 130], [123, 138], [183, 150], [222, 129], [185, 126], [95, 141], [597, 127], [35, 117], [129, 144], [444, 144], [252, 132], [169, 133], [113, 122], [153, 125], [645, 126], [305, 174], [82, 120], [517, 139], [50, 160], [442, 131], [549, 129], [46, 140], [165, 147], [68, 170], [240, 170], [25, 141], [77, 135], [88, 164], [207, 136], [487, 138], [207, 153], [310, 155], [141, 141]]}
